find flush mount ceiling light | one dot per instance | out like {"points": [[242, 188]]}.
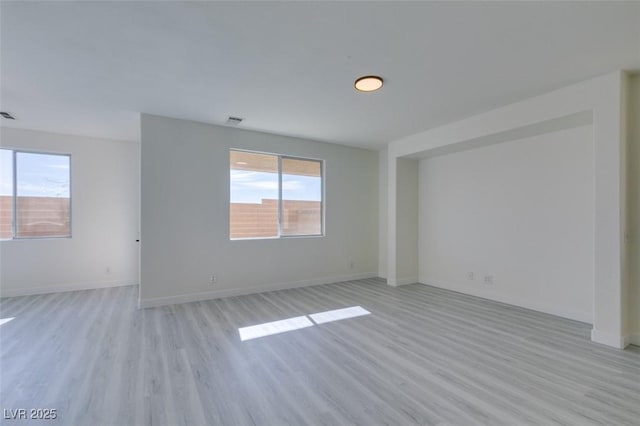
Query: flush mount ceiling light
{"points": [[368, 83]]}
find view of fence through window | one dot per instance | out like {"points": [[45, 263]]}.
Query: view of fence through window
{"points": [[42, 191], [256, 210]]}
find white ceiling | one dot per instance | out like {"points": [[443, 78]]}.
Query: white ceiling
{"points": [[288, 68]]}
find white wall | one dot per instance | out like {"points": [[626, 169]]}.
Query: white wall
{"points": [[105, 204], [634, 207], [185, 216], [521, 211], [382, 212], [407, 221], [603, 101]]}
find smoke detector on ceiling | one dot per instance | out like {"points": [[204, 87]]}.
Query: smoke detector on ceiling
{"points": [[234, 121]]}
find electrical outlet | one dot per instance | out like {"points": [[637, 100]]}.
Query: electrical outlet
{"points": [[213, 279], [470, 276], [352, 265], [488, 279]]}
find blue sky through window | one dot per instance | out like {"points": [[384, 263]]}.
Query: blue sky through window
{"points": [[6, 172], [252, 187], [39, 175]]}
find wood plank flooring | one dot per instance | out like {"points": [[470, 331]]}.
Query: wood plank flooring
{"points": [[422, 356]]}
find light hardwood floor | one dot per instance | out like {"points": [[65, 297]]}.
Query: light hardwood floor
{"points": [[423, 356]]}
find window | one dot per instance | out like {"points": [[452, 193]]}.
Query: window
{"points": [[273, 196], [35, 195]]}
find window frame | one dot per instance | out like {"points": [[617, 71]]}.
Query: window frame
{"points": [[14, 194], [280, 235]]}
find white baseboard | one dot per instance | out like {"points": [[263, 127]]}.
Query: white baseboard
{"points": [[15, 292], [634, 339], [231, 292], [477, 290], [609, 339]]}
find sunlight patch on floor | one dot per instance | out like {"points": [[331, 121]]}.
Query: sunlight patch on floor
{"points": [[5, 320], [274, 327], [339, 314], [296, 323]]}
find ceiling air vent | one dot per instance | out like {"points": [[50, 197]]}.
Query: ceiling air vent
{"points": [[234, 121], [7, 115]]}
